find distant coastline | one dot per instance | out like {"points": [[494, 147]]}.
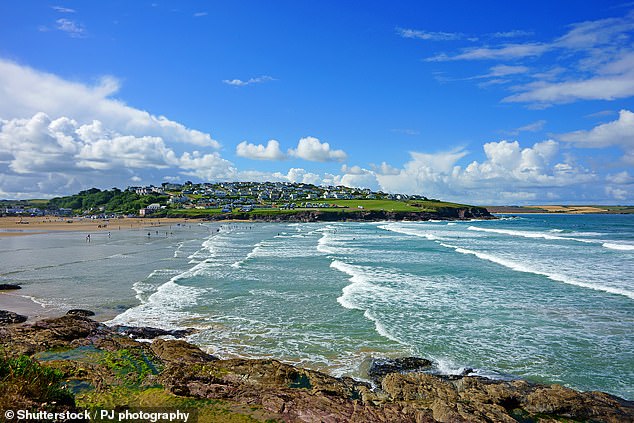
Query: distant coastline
{"points": [[30, 225], [561, 209]]}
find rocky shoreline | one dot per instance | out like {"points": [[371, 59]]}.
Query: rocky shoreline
{"points": [[443, 213], [75, 363]]}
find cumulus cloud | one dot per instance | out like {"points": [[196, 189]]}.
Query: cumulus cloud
{"points": [[356, 177], [310, 148], [508, 173], [260, 152], [299, 175], [26, 91], [56, 154]]}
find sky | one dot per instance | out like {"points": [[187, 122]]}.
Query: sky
{"points": [[489, 103]]}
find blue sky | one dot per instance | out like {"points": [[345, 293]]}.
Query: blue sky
{"points": [[482, 102]]}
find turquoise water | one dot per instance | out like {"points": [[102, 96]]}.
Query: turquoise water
{"points": [[549, 298]]}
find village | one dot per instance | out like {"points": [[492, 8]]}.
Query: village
{"points": [[222, 197]]}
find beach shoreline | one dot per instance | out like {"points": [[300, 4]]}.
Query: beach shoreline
{"points": [[106, 250], [20, 226]]}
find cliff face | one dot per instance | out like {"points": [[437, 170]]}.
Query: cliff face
{"points": [[445, 213], [102, 368]]}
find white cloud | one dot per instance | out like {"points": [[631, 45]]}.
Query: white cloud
{"points": [[310, 148], [61, 154], [595, 62], [361, 178], [72, 28], [619, 133], [26, 91], [208, 167], [260, 152], [508, 51], [506, 70], [512, 34], [200, 14], [621, 178], [241, 83], [596, 33], [509, 173], [532, 127], [617, 193], [300, 175], [426, 35], [596, 88], [62, 9], [385, 169]]}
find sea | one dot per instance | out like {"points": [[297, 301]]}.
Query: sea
{"points": [[548, 298]]}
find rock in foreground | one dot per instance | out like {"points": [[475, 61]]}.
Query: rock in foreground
{"points": [[9, 287], [9, 317], [102, 366]]}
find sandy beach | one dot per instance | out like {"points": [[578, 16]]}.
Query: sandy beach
{"points": [[17, 226]]}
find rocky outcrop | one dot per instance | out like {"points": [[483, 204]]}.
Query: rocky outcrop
{"points": [[80, 312], [343, 215], [146, 332], [380, 367], [9, 318], [177, 351], [108, 361], [9, 286]]}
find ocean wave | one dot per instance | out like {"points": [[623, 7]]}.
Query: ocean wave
{"points": [[529, 234], [615, 246], [380, 329], [163, 309], [519, 267], [393, 227], [253, 253], [361, 286]]}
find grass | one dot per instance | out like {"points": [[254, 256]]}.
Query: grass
{"points": [[23, 379], [131, 366], [343, 206], [207, 410]]}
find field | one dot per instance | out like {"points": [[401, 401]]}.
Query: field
{"points": [[341, 206], [567, 209]]}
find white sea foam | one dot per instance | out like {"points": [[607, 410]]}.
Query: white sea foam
{"points": [[547, 235], [163, 309], [361, 286], [529, 234], [423, 233], [253, 253], [378, 326], [519, 267], [621, 247]]}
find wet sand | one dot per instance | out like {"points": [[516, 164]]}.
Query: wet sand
{"points": [[17, 226], [13, 301]]}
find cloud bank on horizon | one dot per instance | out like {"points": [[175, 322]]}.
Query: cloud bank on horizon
{"points": [[59, 135]]}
